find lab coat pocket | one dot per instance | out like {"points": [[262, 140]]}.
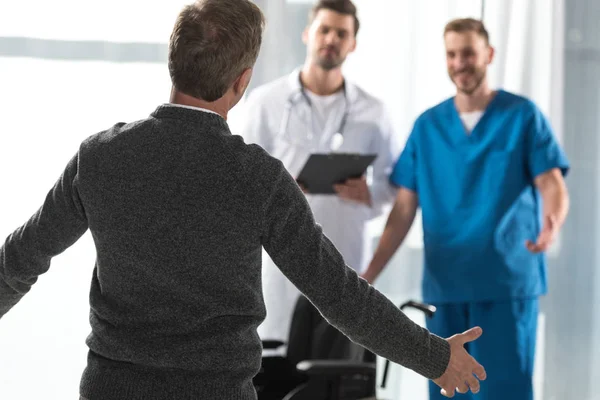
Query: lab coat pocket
{"points": [[519, 224]]}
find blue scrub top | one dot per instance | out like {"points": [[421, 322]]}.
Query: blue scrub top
{"points": [[478, 199]]}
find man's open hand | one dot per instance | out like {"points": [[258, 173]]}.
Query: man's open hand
{"points": [[463, 372]]}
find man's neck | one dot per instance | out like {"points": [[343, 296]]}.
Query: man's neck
{"points": [[320, 81], [476, 101], [183, 99]]}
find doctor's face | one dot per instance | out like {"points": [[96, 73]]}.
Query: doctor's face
{"points": [[330, 38], [467, 57]]}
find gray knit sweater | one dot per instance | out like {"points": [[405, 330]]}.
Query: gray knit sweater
{"points": [[178, 209]]}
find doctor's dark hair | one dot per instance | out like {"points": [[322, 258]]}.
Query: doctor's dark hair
{"points": [[345, 7], [462, 25], [212, 43]]}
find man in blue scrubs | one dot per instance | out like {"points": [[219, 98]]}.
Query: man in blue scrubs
{"points": [[487, 172]]}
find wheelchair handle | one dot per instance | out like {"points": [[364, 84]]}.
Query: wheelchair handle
{"points": [[272, 344], [335, 367], [428, 309]]}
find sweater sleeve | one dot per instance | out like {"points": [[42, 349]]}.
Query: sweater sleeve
{"points": [[27, 252], [310, 261]]}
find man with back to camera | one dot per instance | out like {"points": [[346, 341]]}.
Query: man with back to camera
{"points": [[481, 165], [179, 208], [313, 110]]}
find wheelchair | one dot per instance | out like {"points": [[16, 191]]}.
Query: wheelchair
{"points": [[321, 363]]}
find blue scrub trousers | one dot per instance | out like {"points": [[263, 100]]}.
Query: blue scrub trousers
{"points": [[506, 349]]}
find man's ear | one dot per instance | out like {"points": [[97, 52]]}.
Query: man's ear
{"points": [[353, 46], [241, 83], [305, 35], [491, 54]]}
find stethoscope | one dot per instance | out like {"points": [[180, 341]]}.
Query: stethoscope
{"points": [[338, 138]]}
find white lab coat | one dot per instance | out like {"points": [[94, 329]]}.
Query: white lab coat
{"points": [[367, 131]]}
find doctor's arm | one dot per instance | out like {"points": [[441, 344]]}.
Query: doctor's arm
{"points": [[403, 213], [397, 227], [27, 252], [555, 198], [547, 164]]}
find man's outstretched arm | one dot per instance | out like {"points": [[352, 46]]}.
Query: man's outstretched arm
{"points": [[310, 261], [27, 252]]}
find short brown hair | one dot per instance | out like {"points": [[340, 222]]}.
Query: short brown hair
{"points": [[212, 43], [345, 7], [468, 25]]}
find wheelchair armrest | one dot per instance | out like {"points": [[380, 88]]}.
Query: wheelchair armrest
{"points": [[325, 368], [272, 344]]}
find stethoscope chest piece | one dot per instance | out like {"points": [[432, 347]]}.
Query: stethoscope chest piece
{"points": [[337, 141]]}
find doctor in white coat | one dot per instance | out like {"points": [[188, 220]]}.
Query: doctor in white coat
{"points": [[316, 110]]}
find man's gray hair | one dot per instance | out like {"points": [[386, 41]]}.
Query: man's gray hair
{"points": [[212, 43]]}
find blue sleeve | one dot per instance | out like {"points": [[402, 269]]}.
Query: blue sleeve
{"points": [[404, 173], [543, 150]]}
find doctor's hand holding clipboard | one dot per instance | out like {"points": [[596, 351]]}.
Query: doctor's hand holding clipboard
{"points": [[340, 174], [354, 190]]}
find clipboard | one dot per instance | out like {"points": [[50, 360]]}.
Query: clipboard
{"points": [[322, 171]]}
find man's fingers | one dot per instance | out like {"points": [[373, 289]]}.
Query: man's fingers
{"points": [[462, 388], [346, 192], [356, 182], [532, 247], [341, 190], [447, 393], [473, 384], [540, 246], [471, 335], [358, 194], [479, 372], [545, 238]]}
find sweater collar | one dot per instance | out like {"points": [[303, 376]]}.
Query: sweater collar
{"points": [[192, 115]]}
